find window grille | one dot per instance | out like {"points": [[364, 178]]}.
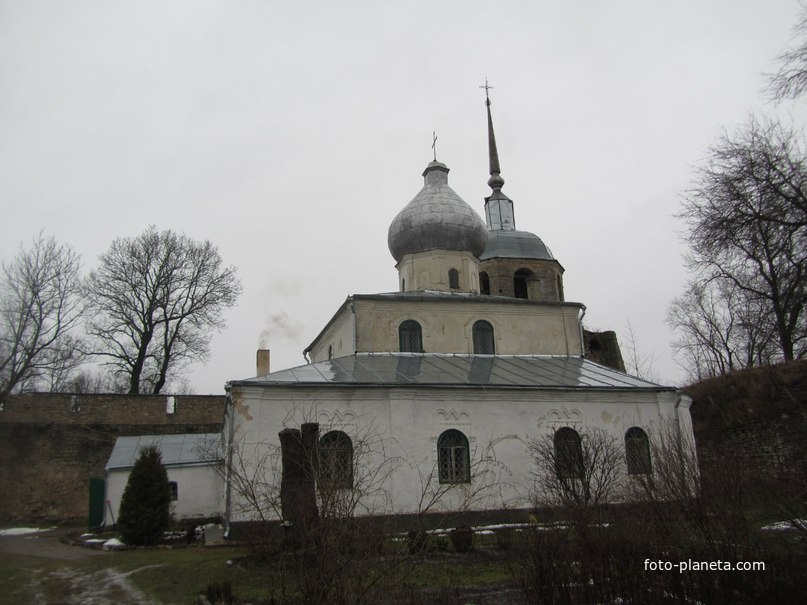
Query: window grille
{"points": [[335, 460], [410, 336], [453, 458], [483, 338]]}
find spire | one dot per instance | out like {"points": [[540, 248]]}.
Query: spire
{"points": [[498, 207], [495, 181]]}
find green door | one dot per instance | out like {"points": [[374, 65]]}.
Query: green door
{"points": [[96, 503]]}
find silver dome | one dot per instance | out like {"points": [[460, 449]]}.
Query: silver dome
{"points": [[515, 244], [436, 219]]}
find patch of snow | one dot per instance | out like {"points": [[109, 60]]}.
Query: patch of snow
{"points": [[787, 525], [113, 544], [23, 531]]}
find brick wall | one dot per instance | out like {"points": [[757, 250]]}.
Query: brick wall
{"points": [[603, 347], [51, 444]]}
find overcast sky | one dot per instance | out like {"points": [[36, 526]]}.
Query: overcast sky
{"points": [[291, 133]]}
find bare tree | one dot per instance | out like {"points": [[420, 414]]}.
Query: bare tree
{"points": [[746, 223], [331, 550], [40, 304], [790, 79], [636, 362], [88, 381], [720, 328], [577, 470], [676, 474], [156, 298], [480, 488]]}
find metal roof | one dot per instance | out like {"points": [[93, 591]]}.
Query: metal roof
{"points": [[515, 244], [177, 450], [456, 370], [436, 219]]}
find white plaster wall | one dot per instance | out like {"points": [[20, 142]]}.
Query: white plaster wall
{"points": [[407, 422], [340, 335], [519, 329], [200, 492], [429, 271]]}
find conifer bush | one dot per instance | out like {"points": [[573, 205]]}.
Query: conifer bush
{"points": [[145, 509]]}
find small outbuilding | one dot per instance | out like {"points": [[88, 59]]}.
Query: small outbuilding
{"points": [[193, 463]]}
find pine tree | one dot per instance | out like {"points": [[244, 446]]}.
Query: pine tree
{"points": [[145, 508]]}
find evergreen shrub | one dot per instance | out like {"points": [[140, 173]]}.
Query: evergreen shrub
{"points": [[145, 509]]}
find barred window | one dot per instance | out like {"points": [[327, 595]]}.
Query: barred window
{"points": [[335, 460], [483, 338], [637, 452], [453, 458], [410, 337], [174, 487], [568, 454]]}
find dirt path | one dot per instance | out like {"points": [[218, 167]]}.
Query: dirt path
{"points": [[103, 587], [46, 544]]}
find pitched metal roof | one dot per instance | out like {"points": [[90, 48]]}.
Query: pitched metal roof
{"points": [[456, 370], [176, 450]]}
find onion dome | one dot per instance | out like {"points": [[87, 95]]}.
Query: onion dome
{"points": [[436, 219]]}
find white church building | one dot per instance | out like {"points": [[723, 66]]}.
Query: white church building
{"points": [[427, 398]]}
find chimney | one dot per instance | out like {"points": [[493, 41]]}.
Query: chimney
{"points": [[262, 362]]}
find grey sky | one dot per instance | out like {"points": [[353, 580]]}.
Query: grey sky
{"points": [[291, 133]]}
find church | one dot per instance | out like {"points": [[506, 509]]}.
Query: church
{"points": [[427, 399]]}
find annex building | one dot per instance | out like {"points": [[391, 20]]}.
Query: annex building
{"points": [[427, 398]]}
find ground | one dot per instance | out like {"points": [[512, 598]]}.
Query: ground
{"points": [[40, 568], [38, 556]]}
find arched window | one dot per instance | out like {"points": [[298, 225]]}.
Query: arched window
{"points": [[520, 283], [484, 283], [637, 451], [520, 278], [483, 338], [335, 460], [453, 279], [453, 460], [410, 337], [568, 454]]}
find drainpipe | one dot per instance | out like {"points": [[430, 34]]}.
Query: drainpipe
{"points": [[355, 335], [229, 416], [580, 324]]}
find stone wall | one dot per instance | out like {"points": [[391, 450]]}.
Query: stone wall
{"points": [[51, 444], [753, 423]]}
